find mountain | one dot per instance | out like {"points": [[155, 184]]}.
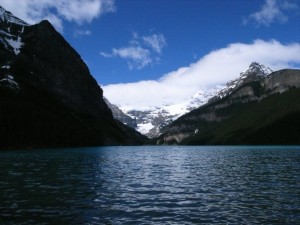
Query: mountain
{"points": [[48, 97], [255, 109], [119, 115], [254, 72], [151, 122]]}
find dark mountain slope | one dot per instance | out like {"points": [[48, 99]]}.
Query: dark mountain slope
{"points": [[120, 115], [47, 96], [257, 123], [49, 63], [265, 111]]}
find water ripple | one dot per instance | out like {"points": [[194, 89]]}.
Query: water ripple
{"points": [[151, 185]]}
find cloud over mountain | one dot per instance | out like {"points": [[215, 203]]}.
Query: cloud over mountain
{"points": [[217, 67], [78, 11]]}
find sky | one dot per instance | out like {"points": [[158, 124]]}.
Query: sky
{"points": [[145, 53]]}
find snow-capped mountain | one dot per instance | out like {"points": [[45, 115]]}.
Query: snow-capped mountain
{"points": [[150, 122], [8, 17], [254, 72]]}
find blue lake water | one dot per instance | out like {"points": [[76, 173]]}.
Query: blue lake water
{"points": [[151, 185]]}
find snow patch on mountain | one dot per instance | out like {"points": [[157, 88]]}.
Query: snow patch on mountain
{"points": [[10, 82], [10, 18], [15, 44], [144, 128], [5, 67], [11, 30]]}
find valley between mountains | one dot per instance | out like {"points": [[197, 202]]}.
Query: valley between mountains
{"points": [[48, 98]]}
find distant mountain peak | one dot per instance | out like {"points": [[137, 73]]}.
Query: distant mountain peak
{"points": [[8, 17], [257, 70]]}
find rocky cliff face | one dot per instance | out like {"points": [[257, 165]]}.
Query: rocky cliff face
{"points": [[48, 97], [260, 110], [281, 81], [48, 62], [119, 115]]}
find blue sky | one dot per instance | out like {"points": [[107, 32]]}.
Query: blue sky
{"points": [[170, 45], [191, 29]]}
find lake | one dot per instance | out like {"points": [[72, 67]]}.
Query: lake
{"points": [[151, 185]]}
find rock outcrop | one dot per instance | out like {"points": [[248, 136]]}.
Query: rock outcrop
{"points": [[119, 115]]}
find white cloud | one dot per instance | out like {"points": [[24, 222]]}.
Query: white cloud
{"points": [[270, 12], [78, 33], [155, 41], [136, 56], [217, 67], [141, 51], [78, 11], [289, 5]]}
